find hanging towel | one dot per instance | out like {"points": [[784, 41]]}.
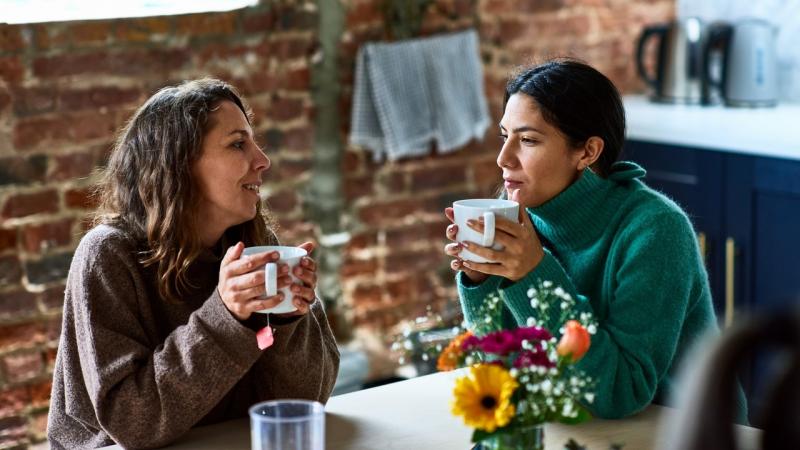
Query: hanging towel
{"points": [[411, 93]]}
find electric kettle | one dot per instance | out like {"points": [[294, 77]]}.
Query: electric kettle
{"points": [[679, 62], [749, 62]]}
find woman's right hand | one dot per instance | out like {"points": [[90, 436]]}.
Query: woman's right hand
{"points": [[241, 285], [455, 248]]}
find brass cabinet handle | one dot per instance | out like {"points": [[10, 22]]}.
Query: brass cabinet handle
{"points": [[730, 269], [701, 240]]}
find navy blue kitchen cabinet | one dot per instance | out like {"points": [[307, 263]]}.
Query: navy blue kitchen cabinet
{"points": [[747, 209]]}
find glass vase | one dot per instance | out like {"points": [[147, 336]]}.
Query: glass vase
{"points": [[530, 437]]}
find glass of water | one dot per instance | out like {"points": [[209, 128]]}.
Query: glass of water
{"points": [[287, 425]]}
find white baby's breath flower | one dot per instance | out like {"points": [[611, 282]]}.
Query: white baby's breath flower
{"points": [[531, 387], [469, 360], [401, 360], [522, 406], [408, 345], [425, 357], [531, 322], [541, 370], [531, 292], [589, 397], [592, 329], [546, 386], [559, 291], [488, 320], [439, 348], [525, 378], [564, 305], [513, 372], [553, 371], [535, 303]]}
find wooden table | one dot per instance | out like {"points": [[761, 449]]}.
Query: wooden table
{"points": [[415, 414]]}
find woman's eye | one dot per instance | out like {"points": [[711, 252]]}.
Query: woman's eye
{"points": [[529, 141], [503, 137], [238, 145]]}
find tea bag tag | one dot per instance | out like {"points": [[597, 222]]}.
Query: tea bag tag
{"points": [[264, 336]]}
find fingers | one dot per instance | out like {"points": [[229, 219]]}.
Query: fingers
{"points": [[307, 276], [453, 249], [485, 252], [308, 246], [487, 268], [249, 263], [451, 232], [233, 253], [449, 213]]}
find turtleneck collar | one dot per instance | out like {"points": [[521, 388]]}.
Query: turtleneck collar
{"points": [[581, 212]]}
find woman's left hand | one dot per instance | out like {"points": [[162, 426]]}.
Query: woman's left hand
{"points": [[522, 250], [304, 291]]}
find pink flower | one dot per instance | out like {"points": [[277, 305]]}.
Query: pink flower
{"points": [[500, 342], [532, 334], [536, 357], [470, 343]]}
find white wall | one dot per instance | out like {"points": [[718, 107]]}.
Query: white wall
{"points": [[785, 14]]}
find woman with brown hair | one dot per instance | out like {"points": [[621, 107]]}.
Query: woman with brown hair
{"points": [[159, 332]]}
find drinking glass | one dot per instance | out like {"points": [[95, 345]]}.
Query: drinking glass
{"points": [[287, 425]]}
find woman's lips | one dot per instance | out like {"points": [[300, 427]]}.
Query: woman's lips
{"points": [[513, 184]]}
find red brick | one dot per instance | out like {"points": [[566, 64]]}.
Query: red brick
{"points": [[298, 80], [356, 267], [21, 205], [366, 294], [70, 166], [8, 239], [364, 13], [148, 29], [405, 236], [16, 304], [414, 261], [38, 238], [151, 62], [29, 133], [5, 97], [10, 272], [287, 48], [14, 400], [11, 38], [394, 182], [361, 241], [215, 23], [299, 139], [283, 201], [356, 187], [98, 97], [290, 169], [22, 366], [53, 325], [389, 212], [285, 109], [486, 173], [94, 32], [80, 198], [29, 101], [254, 21], [11, 69], [21, 336], [39, 393]]}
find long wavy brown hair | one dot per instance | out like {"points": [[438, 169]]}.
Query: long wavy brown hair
{"points": [[147, 187]]}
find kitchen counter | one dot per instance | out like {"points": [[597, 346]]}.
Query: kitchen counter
{"points": [[415, 414], [756, 131]]}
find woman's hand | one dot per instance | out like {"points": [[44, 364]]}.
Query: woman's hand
{"points": [[522, 250], [241, 284], [455, 248], [304, 292]]}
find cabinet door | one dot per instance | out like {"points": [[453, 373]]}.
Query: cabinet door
{"points": [[763, 228], [693, 179]]}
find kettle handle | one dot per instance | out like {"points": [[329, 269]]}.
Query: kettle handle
{"points": [[719, 36], [647, 34]]}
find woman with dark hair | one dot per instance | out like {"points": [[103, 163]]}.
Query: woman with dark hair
{"points": [[160, 326], [588, 224]]}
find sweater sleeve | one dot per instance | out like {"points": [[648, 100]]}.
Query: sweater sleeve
{"points": [[654, 279]]}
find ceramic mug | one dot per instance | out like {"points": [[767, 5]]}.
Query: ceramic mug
{"points": [[487, 208], [290, 256]]}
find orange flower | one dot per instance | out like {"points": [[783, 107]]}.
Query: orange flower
{"points": [[575, 341], [448, 360]]}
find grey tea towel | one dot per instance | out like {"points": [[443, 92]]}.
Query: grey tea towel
{"points": [[408, 94]]}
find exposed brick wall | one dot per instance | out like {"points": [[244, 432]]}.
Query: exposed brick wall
{"points": [[65, 88], [394, 267]]}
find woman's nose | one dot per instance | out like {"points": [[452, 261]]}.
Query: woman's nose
{"points": [[505, 157], [262, 161]]}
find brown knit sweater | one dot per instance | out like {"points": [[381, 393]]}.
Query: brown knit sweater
{"points": [[140, 371]]}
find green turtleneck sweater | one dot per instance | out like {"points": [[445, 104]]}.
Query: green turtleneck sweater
{"points": [[630, 257]]}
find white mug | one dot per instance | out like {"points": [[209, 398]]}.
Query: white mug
{"points": [[486, 208], [290, 256]]}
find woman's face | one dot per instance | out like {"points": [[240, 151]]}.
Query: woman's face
{"points": [[536, 160], [228, 172]]}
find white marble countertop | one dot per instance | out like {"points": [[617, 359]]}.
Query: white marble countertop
{"points": [[757, 131]]}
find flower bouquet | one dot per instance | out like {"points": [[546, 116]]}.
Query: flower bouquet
{"points": [[521, 378]]}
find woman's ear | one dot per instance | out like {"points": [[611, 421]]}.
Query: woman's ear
{"points": [[591, 151]]}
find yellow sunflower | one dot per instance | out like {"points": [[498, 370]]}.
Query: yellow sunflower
{"points": [[484, 397]]}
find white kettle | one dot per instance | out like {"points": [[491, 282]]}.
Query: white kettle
{"points": [[749, 62]]}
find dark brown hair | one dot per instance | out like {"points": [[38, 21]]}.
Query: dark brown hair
{"points": [[578, 100], [147, 187]]}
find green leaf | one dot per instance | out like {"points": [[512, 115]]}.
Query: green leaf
{"points": [[481, 435]]}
